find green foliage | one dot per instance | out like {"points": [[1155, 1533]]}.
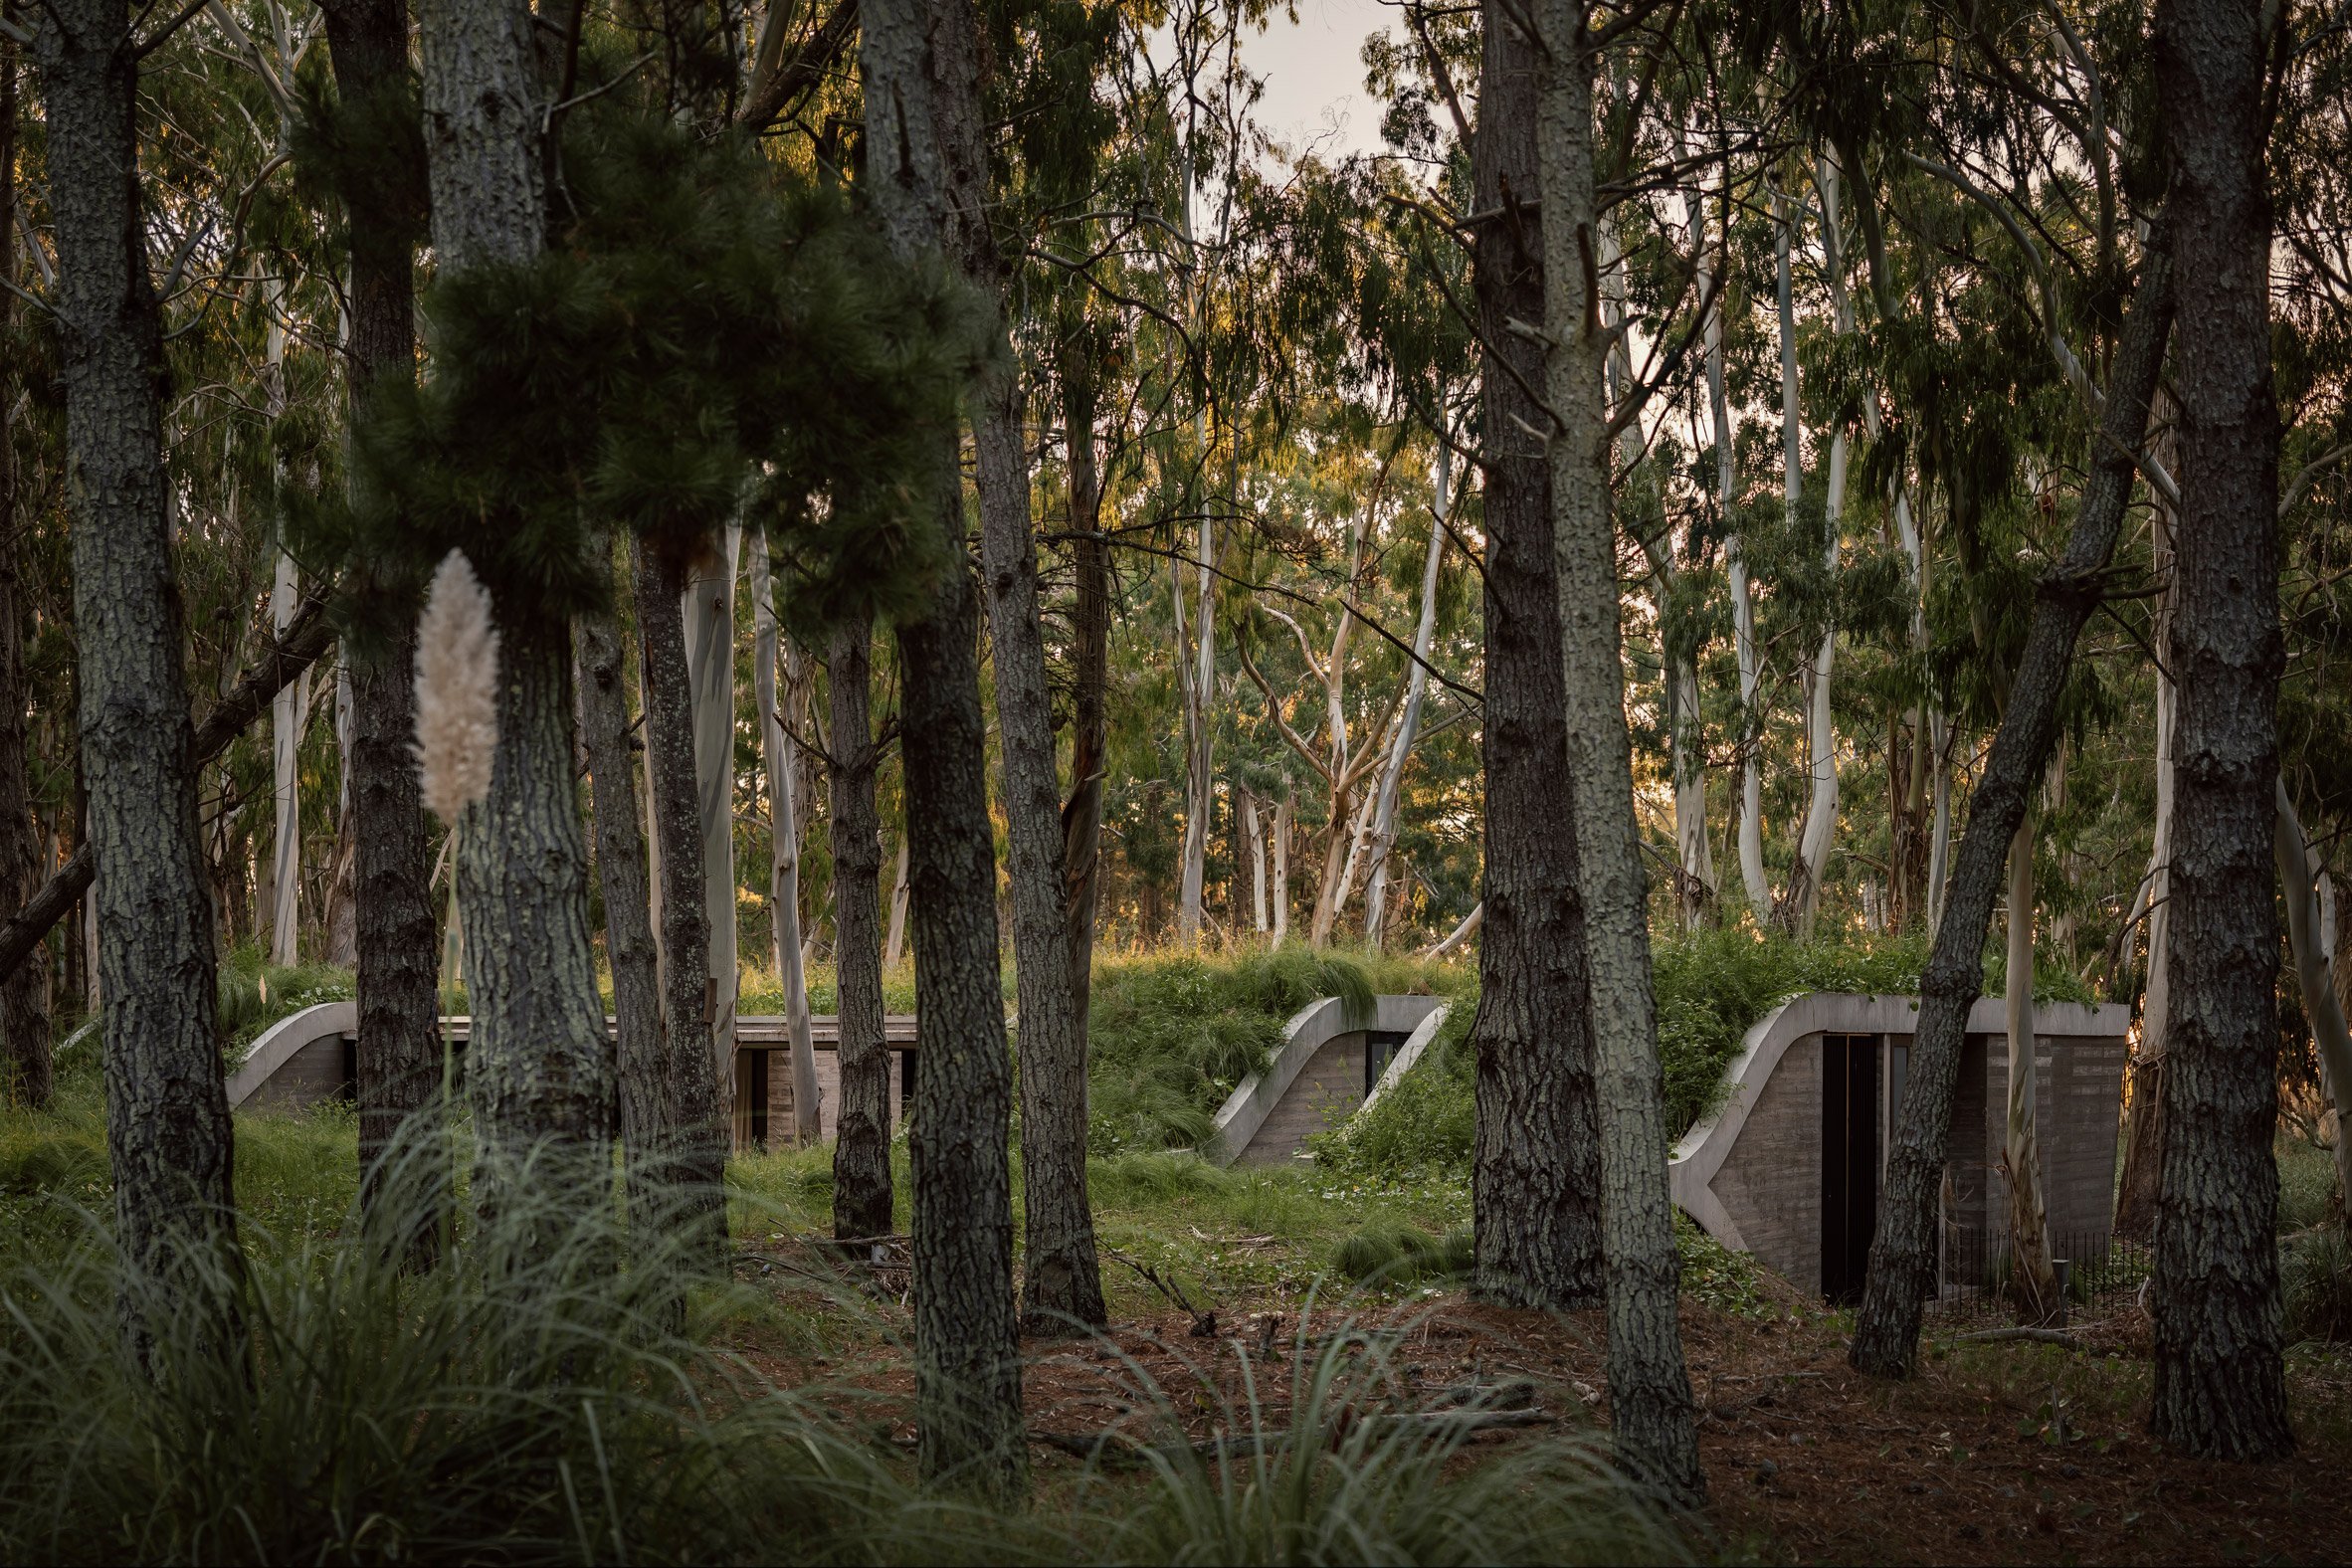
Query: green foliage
{"points": [[702, 339], [1172, 1034], [1715, 1275], [256, 994], [1387, 1252], [535, 1400], [2315, 1284], [1712, 987]]}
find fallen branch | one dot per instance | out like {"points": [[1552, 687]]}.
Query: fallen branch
{"points": [[2038, 1336]]}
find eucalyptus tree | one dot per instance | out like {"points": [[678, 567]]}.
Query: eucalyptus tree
{"points": [[2114, 421]]}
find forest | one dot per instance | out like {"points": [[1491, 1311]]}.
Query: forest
{"points": [[868, 781]]}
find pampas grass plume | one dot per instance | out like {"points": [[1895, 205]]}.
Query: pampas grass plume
{"points": [[456, 689]]}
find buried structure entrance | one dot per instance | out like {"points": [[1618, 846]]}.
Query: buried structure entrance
{"points": [[1789, 1168]]}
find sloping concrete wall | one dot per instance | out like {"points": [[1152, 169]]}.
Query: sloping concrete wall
{"points": [[1750, 1174], [1327, 1091]]}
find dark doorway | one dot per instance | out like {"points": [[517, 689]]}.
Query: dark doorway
{"points": [[1848, 1162], [756, 1092], [1380, 1049]]}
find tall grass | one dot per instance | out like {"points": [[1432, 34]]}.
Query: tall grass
{"points": [[1172, 1033], [535, 1400]]}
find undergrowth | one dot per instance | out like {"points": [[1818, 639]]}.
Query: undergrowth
{"points": [[1712, 987], [540, 1398]]}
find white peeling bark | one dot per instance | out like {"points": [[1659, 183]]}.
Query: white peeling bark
{"points": [[2303, 878], [711, 648], [776, 758], [290, 712], [1384, 816], [2021, 1146]]}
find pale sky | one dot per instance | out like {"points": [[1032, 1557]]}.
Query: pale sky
{"points": [[1314, 78]]}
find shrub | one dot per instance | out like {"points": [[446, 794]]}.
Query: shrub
{"points": [[1172, 1034], [2315, 1280], [1712, 986], [1386, 1252]]}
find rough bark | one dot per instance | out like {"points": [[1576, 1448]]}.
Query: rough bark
{"points": [[392, 930], [784, 798], [862, 1124], [540, 1063], [1535, 1183], [694, 1149], [642, 1069], [1060, 1280], [1648, 1389], [24, 1010], [168, 1134], [928, 176], [1904, 1252], [2220, 1384]]}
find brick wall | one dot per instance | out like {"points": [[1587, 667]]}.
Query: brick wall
{"points": [[1770, 1183]]}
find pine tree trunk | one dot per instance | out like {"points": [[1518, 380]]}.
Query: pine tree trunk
{"points": [[168, 1134], [784, 798], [629, 945], [1536, 1179], [540, 1063], [24, 1004], [1060, 1280], [695, 1152], [392, 915], [928, 166], [862, 1124], [2220, 1388], [1648, 1389], [1903, 1254]]}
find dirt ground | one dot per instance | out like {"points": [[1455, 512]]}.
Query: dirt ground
{"points": [[1994, 1452]]}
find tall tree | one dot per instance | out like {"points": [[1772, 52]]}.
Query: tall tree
{"points": [[24, 1010], [1649, 1387], [776, 747], [168, 1134], [393, 935], [862, 1122], [538, 1065], [927, 181], [1535, 1182], [642, 1071], [694, 1154], [1903, 1255], [2220, 1385]]}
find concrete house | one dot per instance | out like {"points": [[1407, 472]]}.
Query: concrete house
{"points": [[1789, 1168]]}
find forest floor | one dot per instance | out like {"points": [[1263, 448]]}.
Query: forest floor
{"points": [[1996, 1452]]}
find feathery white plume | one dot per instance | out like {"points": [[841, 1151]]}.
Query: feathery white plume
{"points": [[456, 689]]}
